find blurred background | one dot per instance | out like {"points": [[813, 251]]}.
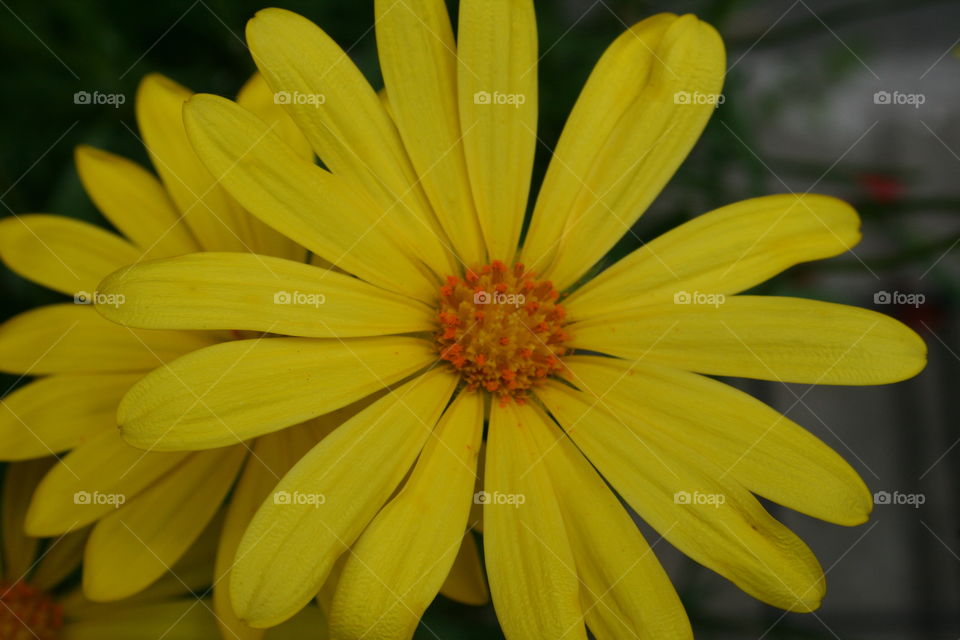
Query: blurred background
{"points": [[857, 99]]}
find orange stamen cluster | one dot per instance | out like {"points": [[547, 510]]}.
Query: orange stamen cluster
{"points": [[26, 613], [501, 329]]}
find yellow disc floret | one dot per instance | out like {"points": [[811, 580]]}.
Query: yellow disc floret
{"points": [[502, 329]]}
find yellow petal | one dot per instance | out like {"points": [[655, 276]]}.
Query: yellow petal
{"points": [[245, 388], [19, 550], [418, 58], [59, 413], [216, 221], [182, 619], [687, 499], [63, 254], [235, 291], [766, 452], [625, 593], [77, 490], [136, 544], [349, 128], [134, 202], [323, 503], [532, 572], [257, 97], [305, 202], [726, 251], [644, 148], [396, 568], [765, 337], [614, 85], [465, 583], [497, 93], [272, 456], [70, 338], [60, 559]]}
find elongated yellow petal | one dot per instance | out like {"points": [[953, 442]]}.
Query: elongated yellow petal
{"points": [[645, 146], [63, 254], [136, 544], [766, 452], [725, 251], [418, 57], [349, 128], [689, 501], [216, 221], [765, 337], [625, 593], [614, 85], [299, 199], [257, 293], [272, 456], [70, 338], [322, 504], [79, 489], [497, 93], [60, 559], [257, 97], [466, 583], [19, 550], [245, 388], [134, 202], [59, 413], [396, 568], [181, 619], [533, 575]]}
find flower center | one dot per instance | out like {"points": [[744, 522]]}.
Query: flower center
{"points": [[26, 613], [501, 329]]}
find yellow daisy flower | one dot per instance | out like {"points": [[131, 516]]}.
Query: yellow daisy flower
{"points": [[567, 383], [40, 601], [145, 508]]}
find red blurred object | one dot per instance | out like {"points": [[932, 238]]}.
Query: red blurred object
{"points": [[882, 188]]}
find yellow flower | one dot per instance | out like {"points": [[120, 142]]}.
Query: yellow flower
{"points": [[38, 600], [420, 207], [146, 508]]}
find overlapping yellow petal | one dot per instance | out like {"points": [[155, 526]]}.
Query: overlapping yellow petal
{"points": [[135, 202], [322, 504], [624, 592], [136, 544], [257, 97], [300, 199], [766, 452], [220, 395], [396, 568], [497, 94], [638, 138], [59, 413], [339, 112], [242, 291], [63, 254], [18, 549], [71, 338], [67, 497], [615, 83], [466, 583], [725, 251], [181, 619], [688, 500], [530, 563], [418, 57], [215, 219], [272, 456], [765, 337]]}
